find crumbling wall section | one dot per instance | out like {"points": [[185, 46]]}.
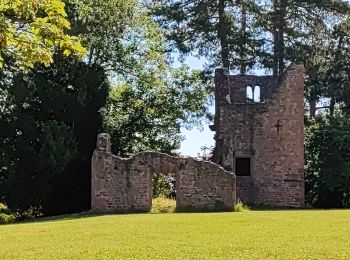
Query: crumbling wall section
{"points": [[125, 185]]}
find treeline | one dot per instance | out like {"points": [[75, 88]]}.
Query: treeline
{"points": [[73, 68], [246, 35], [71, 71]]}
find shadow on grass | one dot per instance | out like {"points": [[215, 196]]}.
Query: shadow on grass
{"points": [[89, 214], [306, 208], [55, 218], [272, 208], [183, 211], [75, 216]]}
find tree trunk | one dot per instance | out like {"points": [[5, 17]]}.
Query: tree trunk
{"points": [[332, 86], [275, 38], [313, 103], [281, 43], [279, 24], [332, 103], [244, 29], [346, 97], [222, 34]]}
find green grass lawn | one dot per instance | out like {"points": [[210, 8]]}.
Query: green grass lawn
{"points": [[247, 235]]}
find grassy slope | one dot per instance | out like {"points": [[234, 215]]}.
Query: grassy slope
{"points": [[247, 235]]}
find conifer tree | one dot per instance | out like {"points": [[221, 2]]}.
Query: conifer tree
{"points": [[221, 31]]}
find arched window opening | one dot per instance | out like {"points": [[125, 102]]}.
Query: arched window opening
{"points": [[253, 94], [250, 94], [257, 95]]}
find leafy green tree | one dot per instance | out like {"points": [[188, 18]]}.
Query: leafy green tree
{"points": [[290, 29], [149, 117], [120, 37], [164, 185], [48, 127], [337, 72], [29, 30], [151, 100], [145, 110], [327, 159]]}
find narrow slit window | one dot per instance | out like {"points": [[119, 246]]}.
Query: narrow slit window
{"points": [[242, 167], [257, 95], [250, 96]]}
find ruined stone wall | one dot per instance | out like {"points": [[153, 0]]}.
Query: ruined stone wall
{"points": [[124, 185], [270, 133]]}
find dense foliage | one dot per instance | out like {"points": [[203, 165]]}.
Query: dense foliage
{"points": [[221, 31], [6, 216], [50, 115], [327, 155], [48, 127], [149, 116], [251, 34], [150, 101], [53, 104], [29, 30], [164, 185]]}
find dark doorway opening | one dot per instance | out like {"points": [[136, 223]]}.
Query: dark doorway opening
{"points": [[242, 167]]}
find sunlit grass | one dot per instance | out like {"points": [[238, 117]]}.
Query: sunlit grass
{"points": [[245, 235], [163, 205]]}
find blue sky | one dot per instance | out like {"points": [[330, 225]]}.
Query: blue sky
{"points": [[195, 138]]}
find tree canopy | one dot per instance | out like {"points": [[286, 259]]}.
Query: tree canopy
{"points": [[29, 30], [150, 100], [149, 117], [48, 125], [327, 160], [54, 99], [56, 111]]}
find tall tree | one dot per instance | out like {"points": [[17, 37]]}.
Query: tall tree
{"points": [[327, 162], [59, 106], [242, 33], [48, 127], [219, 30], [289, 26], [150, 117], [327, 62], [148, 105]]}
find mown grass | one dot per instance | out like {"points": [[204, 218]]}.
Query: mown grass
{"points": [[247, 235]]}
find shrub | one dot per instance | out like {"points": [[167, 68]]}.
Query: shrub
{"points": [[240, 207], [163, 205], [327, 162], [163, 185], [3, 208], [6, 215], [7, 218], [29, 214]]}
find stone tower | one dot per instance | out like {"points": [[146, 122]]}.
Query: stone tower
{"points": [[259, 125]]}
